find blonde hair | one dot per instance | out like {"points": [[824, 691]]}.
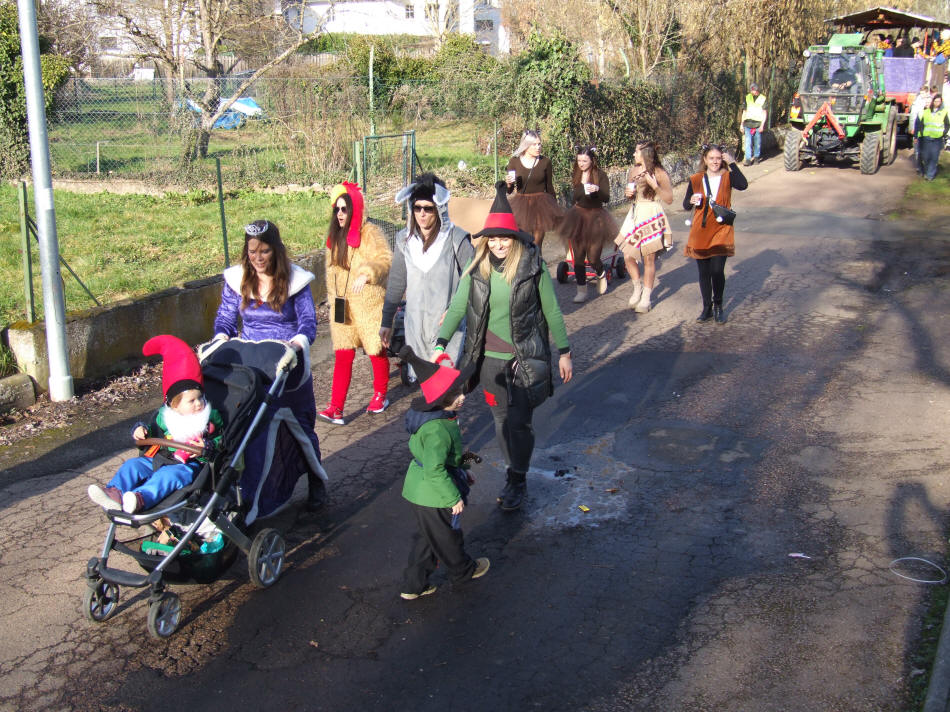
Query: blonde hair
{"points": [[527, 138], [509, 268]]}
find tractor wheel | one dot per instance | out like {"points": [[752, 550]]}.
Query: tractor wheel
{"points": [[890, 138], [870, 152], [793, 143]]}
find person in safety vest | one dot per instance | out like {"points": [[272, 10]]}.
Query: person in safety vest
{"points": [[753, 120], [931, 130]]}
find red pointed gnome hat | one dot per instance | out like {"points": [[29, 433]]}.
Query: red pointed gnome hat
{"points": [[180, 371], [356, 219], [501, 221], [434, 380]]}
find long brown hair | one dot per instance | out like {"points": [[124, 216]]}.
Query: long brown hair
{"points": [[651, 163], [336, 238], [265, 231], [591, 153]]}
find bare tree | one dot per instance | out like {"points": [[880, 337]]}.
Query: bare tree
{"points": [[213, 36], [650, 26], [70, 29]]}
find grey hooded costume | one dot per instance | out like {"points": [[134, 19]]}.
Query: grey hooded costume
{"points": [[427, 284]]}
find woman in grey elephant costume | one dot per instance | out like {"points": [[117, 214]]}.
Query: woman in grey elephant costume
{"points": [[429, 257]]}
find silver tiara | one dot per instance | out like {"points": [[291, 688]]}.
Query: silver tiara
{"points": [[255, 229]]}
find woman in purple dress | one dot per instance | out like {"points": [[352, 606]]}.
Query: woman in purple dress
{"points": [[271, 298]]}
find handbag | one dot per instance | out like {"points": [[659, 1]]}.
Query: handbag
{"points": [[722, 214]]}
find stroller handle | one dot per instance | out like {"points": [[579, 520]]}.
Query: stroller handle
{"points": [[162, 442]]}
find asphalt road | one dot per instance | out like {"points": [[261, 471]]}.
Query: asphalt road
{"points": [[814, 422]]}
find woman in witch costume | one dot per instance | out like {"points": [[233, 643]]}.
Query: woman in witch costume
{"points": [[507, 299]]}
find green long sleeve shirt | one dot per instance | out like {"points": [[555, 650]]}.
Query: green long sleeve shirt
{"points": [[499, 322]]}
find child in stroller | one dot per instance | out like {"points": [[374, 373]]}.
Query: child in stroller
{"points": [[241, 381], [185, 416]]}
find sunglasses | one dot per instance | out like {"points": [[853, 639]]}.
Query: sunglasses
{"points": [[340, 209], [423, 208]]}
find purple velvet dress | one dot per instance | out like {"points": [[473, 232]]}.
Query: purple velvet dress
{"points": [[296, 322]]}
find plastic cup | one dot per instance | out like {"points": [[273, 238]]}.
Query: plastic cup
{"points": [[591, 188], [511, 176]]}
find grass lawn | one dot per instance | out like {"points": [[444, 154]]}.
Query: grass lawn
{"points": [[930, 200], [127, 245]]}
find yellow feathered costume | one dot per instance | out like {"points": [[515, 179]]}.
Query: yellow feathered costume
{"points": [[369, 255]]}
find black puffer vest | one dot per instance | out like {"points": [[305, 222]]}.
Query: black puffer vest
{"points": [[529, 328]]}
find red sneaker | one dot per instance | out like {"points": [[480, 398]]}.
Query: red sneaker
{"points": [[334, 415], [378, 404]]}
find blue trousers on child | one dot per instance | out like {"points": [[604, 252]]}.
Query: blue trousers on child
{"points": [[136, 475]]}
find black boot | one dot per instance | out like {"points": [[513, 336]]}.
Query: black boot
{"points": [[317, 492], [516, 491], [507, 488], [717, 313], [706, 313]]}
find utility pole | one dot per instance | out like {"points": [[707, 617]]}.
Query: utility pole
{"points": [[54, 305]]}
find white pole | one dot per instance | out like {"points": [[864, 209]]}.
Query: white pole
{"points": [[97, 158], [54, 305]]}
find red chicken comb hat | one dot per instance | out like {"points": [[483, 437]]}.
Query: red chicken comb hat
{"points": [[180, 368], [353, 235]]}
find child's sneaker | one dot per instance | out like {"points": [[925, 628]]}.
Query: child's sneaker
{"points": [[108, 498], [378, 404], [481, 567], [132, 502], [334, 415], [414, 596]]}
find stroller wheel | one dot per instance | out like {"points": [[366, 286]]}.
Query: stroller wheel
{"points": [[562, 272], [265, 560], [164, 615], [100, 600]]}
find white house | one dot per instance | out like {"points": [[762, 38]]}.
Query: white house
{"points": [[424, 18]]}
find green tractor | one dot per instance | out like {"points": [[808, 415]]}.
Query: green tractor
{"points": [[852, 101]]}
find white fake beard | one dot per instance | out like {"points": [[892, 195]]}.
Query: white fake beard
{"points": [[186, 427]]}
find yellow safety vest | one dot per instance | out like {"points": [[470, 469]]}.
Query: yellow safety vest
{"points": [[754, 108], [933, 122]]}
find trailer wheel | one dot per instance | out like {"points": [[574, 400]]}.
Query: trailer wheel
{"points": [[890, 138], [870, 152], [562, 272], [793, 143]]}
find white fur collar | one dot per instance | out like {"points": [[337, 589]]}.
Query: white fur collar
{"points": [[299, 278]]}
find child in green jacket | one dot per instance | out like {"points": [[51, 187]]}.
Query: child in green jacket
{"points": [[436, 484]]}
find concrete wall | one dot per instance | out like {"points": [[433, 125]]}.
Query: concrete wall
{"points": [[107, 340]]}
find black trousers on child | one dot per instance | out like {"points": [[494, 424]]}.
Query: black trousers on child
{"points": [[433, 543], [712, 279]]}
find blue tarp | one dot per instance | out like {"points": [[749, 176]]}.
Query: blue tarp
{"points": [[235, 116]]}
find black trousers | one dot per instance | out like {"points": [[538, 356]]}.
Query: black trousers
{"points": [[512, 420], [591, 254], [435, 541], [712, 279]]}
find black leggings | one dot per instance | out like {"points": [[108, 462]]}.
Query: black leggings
{"points": [[580, 266], [512, 420], [712, 279]]}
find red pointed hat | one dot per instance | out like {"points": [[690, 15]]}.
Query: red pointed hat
{"points": [[501, 221], [434, 380], [353, 235], [180, 370]]}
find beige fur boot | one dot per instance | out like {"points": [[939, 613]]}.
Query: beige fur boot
{"points": [[602, 283], [581, 295], [637, 290], [643, 306]]}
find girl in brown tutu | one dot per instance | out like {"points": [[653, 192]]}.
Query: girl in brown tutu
{"points": [[645, 230], [535, 204], [587, 226]]}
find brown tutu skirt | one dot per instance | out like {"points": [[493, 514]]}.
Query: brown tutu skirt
{"points": [[536, 212], [588, 229]]}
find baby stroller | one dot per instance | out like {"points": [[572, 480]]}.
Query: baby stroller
{"points": [[613, 263], [242, 379]]}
